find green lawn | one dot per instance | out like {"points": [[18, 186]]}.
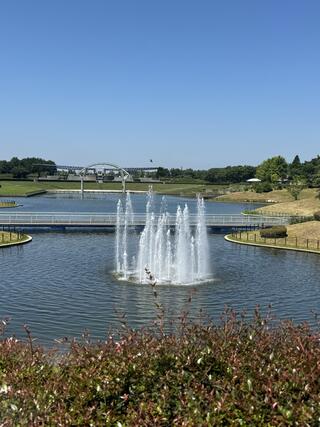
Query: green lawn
{"points": [[22, 188]]}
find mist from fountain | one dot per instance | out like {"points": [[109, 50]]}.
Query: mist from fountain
{"points": [[178, 255]]}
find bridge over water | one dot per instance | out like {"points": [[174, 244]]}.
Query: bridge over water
{"points": [[109, 220]]}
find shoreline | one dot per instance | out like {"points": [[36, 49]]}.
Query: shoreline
{"points": [[20, 242], [228, 238], [66, 191], [29, 194]]}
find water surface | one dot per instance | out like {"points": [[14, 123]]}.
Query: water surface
{"points": [[62, 283]]}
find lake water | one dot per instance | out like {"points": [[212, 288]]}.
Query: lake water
{"points": [[61, 283]]}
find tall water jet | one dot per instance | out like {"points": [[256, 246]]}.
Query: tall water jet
{"points": [[125, 219], [201, 241], [173, 248], [118, 236]]}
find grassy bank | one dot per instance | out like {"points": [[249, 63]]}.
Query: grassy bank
{"points": [[279, 201], [304, 206], [8, 204], [303, 236], [23, 188], [237, 373], [12, 238], [275, 196]]}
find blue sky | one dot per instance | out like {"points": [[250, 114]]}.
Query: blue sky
{"points": [[186, 83]]}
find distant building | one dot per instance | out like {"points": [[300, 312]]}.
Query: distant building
{"points": [[253, 180]]}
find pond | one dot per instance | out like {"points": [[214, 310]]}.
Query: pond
{"points": [[62, 282]]}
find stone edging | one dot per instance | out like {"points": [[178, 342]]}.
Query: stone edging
{"points": [[261, 245], [22, 242]]}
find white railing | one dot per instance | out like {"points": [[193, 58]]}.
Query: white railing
{"points": [[109, 219]]}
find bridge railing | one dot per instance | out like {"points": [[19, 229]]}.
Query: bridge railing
{"points": [[110, 219]]}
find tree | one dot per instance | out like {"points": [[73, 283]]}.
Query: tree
{"points": [[273, 169], [310, 170], [4, 166], [296, 186], [162, 172], [295, 168], [21, 168], [296, 161], [316, 181], [19, 171], [230, 174]]}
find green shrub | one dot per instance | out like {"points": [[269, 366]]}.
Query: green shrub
{"points": [[263, 187], [237, 372], [316, 216], [277, 231]]}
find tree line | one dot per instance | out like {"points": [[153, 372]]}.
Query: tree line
{"points": [[21, 168], [227, 175], [276, 169], [272, 172]]}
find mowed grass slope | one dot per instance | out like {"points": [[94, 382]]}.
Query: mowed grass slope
{"points": [[305, 230], [279, 201], [275, 196], [305, 207]]}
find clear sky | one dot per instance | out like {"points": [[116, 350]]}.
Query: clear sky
{"points": [[199, 83]]}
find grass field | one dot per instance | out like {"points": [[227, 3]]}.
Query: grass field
{"points": [[23, 188]]}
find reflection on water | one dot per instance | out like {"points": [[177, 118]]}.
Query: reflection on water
{"points": [[62, 283]]}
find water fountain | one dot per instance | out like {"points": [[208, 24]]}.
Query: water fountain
{"points": [[175, 251]]}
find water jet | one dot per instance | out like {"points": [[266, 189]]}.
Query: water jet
{"points": [[175, 254]]}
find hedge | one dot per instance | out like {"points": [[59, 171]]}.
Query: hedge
{"points": [[316, 216], [277, 231], [238, 372]]}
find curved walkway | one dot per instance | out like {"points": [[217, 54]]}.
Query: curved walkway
{"points": [[262, 245], [19, 242]]}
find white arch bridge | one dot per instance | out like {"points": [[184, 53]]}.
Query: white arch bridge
{"points": [[124, 173], [109, 220], [99, 166]]}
